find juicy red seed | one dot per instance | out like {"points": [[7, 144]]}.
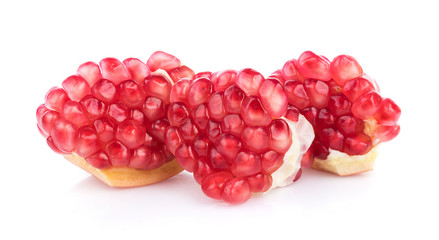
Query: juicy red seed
{"points": [[99, 160], [41, 110], [278, 76], [44, 134], [201, 170], [358, 144], [331, 138], [388, 113], [93, 107], [173, 139], [177, 114], [271, 161], [131, 134], [233, 98], [260, 182], [349, 125], [386, 133], [213, 184], [131, 93], [213, 130], [366, 106], [236, 191], [222, 80], [292, 114], [200, 116], [249, 81], [199, 92], [318, 92], [308, 158], [290, 71], [76, 87], [52, 145], [298, 175], [158, 158], [75, 113], [232, 124], [180, 91], [158, 129], [255, 139], [162, 60], [334, 88], [180, 73], [356, 88], [215, 106], [105, 91], [310, 114], [150, 142], [157, 86], [88, 142], [55, 99], [118, 112], [138, 70], [280, 136], [201, 146], [203, 75], [320, 151], [64, 135], [188, 130], [314, 66], [105, 129], [253, 113], [118, 154], [113, 70], [339, 105], [217, 160], [141, 158], [345, 68], [185, 157], [273, 97], [137, 115], [228, 146], [154, 108], [47, 121], [91, 72], [324, 119], [296, 94], [246, 164]]}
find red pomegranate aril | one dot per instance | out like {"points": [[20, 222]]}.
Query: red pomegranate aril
{"points": [[217, 160], [88, 142], [138, 70], [339, 105], [358, 144], [47, 121], [150, 141], [292, 114], [255, 139], [55, 99], [158, 129], [201, 146], [249, 81], [203, 75], [158, 158], [253, 113], [41, 110], [296, 94], [201, 170], [310, 114], [222, 80], [76, 87], [260, 182], [99, 160], [349, 125], [331, 138], [271, 161], [280, 136], [93, 107], [237, 190], [228, 146], [113, 70], [366, 106], [246, 164], [200, 91], [91, 72], [137, 115], [290, 71], [320, 151], [180, 73], [188, 130], [157, 86], [213, 184], [118, 154], [213, 130], [200, 116], [75, 112], [308, 158], [177, 113], [232, 124], [131, 93], [180, 91], [273, 97], [52, 146], [334, 88], [215, 106], [356, 88], [141, 158], [131, 134], [233, 98], [162, 60], [345, 68], [185, 157], [386, 133], [118, 112], [154, 108], [173, 139], [318, 92], [324, 119], [105, 129], [298, 175], [314, 66], [278, 76], [105, 91], [64, 135], [388, 113]]}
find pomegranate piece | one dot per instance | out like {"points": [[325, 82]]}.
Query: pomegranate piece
{"points": [[356, 88], [64, 135], [296, 94], [237, 190], [366, 106], [76, 87], [162, 60], [138, 70], [157, 86], [199, 91], [291, 71], [345, 68], [388, 113], [55, 99], [358, 144], [114, 70], [91, 72], [222, 80], [273, 97], [318, 92], [249, 81], [314, 66], [131, 93], [180, 73]]}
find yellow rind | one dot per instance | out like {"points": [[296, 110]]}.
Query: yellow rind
{"points": [[128, 177]]}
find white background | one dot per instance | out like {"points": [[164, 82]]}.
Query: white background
{"points": [[45, 197]]}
